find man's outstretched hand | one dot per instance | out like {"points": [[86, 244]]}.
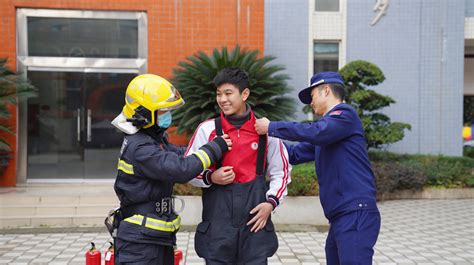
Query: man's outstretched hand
{"points": [[261, 125]]}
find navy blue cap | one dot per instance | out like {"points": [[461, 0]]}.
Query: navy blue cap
{"points": [[318, 79]]}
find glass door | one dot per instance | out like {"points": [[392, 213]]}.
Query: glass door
{"points": [[81, 61], [103, 100], [69, 130]]}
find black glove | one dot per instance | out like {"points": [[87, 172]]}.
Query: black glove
{"points": [[215, 148]]}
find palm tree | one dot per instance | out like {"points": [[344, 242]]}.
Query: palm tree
{"points": [[12, 88], [193, 78]]}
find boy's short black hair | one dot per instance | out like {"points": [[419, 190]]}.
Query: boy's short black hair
{"points": [[233, 76]]}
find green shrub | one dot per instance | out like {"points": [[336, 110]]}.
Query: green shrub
{"points": [[303, 181], [470, 181], [393, 172], [442, 171], [393, 176], [380, 156], [468, 151], [13, 87], [360, 76]]}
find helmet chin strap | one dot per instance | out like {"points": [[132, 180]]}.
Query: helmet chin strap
{"points": [[139, 119], [138, 122], [157, 133]]}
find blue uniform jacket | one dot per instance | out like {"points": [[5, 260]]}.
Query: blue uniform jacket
{"points": [[337, 144]]}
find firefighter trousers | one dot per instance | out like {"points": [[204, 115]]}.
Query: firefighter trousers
{"points": [[130, 253]]}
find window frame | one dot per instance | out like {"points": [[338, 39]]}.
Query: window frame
{"points": [[338, 43], [81, 62]]}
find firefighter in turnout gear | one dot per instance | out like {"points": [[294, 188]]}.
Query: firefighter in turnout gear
{"points": [[147, 169]]}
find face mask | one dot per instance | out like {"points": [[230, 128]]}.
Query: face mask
{"points": [[164, 120]]}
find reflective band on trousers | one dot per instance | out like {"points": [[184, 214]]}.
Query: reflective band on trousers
{"points": [[125, 167], [156, 224]]}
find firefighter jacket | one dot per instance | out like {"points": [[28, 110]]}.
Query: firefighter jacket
{"points": [[243, 157], [147, 169]]}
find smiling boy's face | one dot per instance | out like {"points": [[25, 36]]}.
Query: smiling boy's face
{"points": [[230, 100]]}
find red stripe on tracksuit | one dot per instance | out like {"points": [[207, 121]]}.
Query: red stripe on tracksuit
{"points": [[285, 170]]}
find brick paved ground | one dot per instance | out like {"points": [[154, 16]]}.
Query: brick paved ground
{"points": [[413, 232]]}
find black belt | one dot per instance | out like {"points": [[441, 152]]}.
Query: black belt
{"points": [[163, 206]]}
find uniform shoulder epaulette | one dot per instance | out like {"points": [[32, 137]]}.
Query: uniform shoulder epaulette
{"points": [[335, 113]]}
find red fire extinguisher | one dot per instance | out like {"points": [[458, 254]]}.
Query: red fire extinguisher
{"points": [[93, 255], [178, 256], [109, 256]]}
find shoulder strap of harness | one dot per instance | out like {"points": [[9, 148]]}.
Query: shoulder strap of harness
{"points": [[219, 132], [262, 144], [218, 124]]}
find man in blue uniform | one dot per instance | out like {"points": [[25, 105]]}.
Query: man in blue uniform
{"points": [[337, 144], [147, 169]]}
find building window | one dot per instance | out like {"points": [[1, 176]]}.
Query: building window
{"points": [[327, 5], [82, 37], [468, 117], [326, 56]]}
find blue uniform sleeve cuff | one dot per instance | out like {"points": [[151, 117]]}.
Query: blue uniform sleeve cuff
{"points": [[272, 128]]}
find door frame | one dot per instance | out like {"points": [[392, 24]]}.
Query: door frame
{"points": [[111, 65]]}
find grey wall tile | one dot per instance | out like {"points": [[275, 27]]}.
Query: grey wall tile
{"points": [[287, 37], [419, 45]]}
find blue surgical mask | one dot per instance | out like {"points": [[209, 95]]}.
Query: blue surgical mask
{"points": [[164, 120]]}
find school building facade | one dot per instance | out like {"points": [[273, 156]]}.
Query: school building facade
{"points": [[424, 48], [82, 54]]}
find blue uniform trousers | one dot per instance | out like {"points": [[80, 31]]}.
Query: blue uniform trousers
{"points": [[352, 238]]}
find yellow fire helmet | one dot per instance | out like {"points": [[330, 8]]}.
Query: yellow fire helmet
{"points": [[147, 94]]}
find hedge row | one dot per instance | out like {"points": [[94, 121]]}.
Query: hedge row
{"points": [[468, 151], [441, 171], [392, 172]]}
